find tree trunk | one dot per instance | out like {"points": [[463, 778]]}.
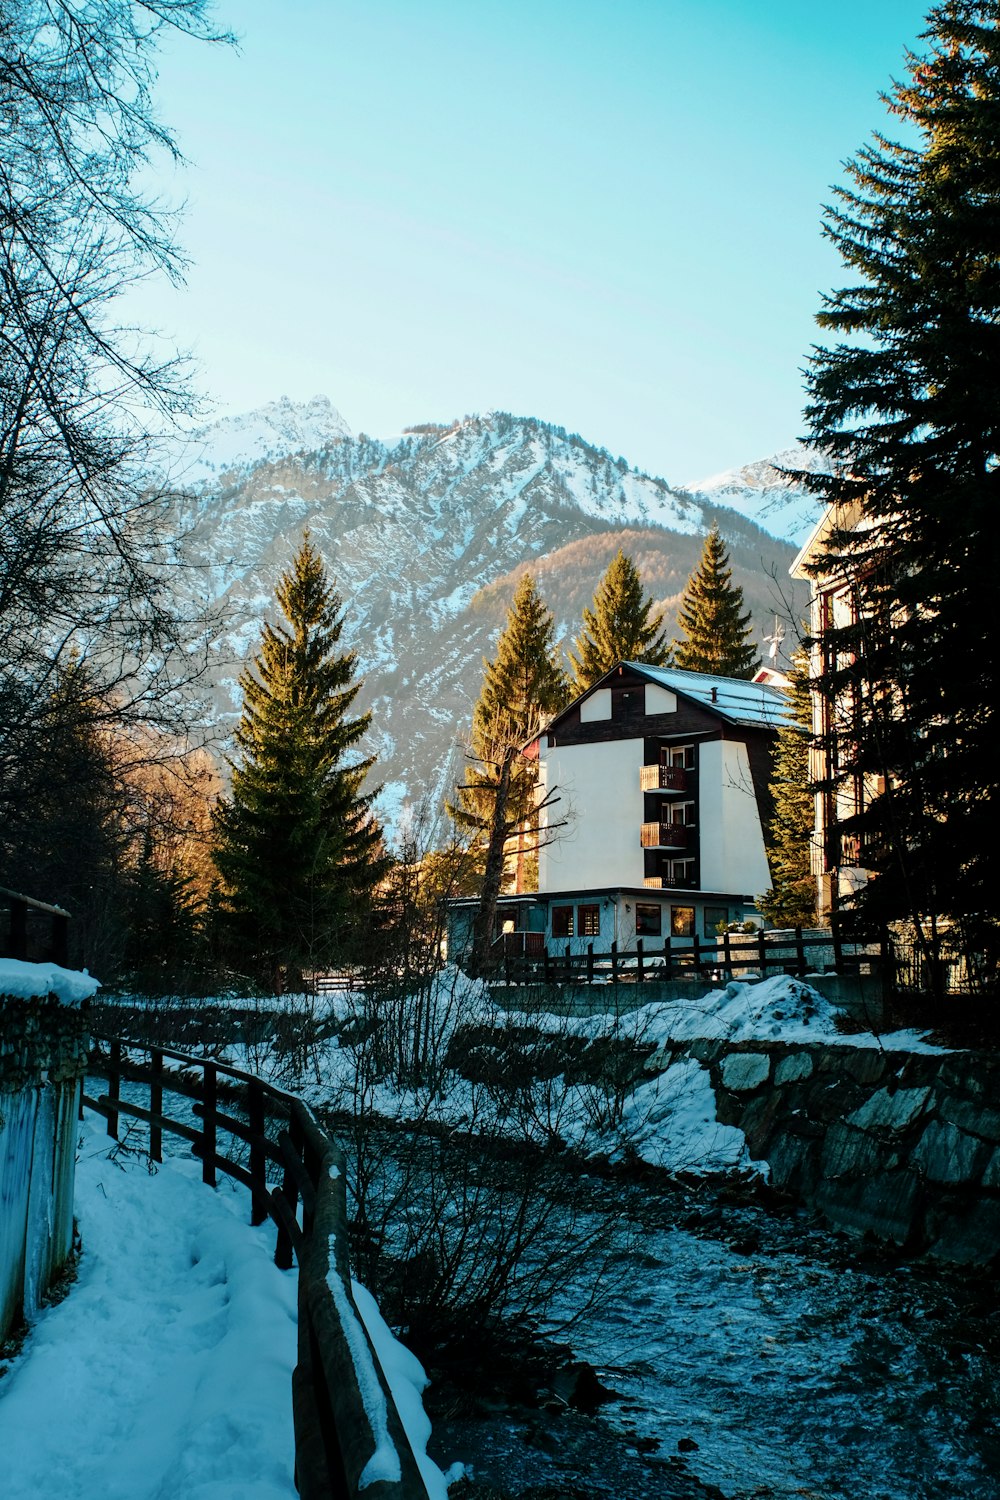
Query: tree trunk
{"points": [[482, 930]]}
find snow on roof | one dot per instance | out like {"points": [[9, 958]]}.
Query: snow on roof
{"points": [[26, 981], [732, 698]]}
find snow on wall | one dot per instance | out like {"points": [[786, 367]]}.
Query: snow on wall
{"points": [[24, 981]]}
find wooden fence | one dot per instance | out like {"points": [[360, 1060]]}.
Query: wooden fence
{"points": [[731, 956], [33, 930], [348, 1435]]}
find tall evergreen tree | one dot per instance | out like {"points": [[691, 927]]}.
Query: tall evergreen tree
{"points": [[791, 901], [522, 686], [297, 846], [524, 682], [908, 407], [618, 628], [717, 631]]}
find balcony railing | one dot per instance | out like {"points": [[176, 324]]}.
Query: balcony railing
{"points": [[665, 835], [663, 779]]}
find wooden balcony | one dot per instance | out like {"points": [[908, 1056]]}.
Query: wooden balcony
{"points": [[665, 835], [663, 779]]}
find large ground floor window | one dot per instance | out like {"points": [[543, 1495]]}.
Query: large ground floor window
{"points": [[682, 921]]}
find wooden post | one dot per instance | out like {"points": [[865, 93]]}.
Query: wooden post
{"points": [[569, 965], [614, 961], [155, 1104], [838, 944], [290, 1192], [18, 928], [545, 963], [727, 953], [590, 963], [696, 953], [762, 952], [638, 960], [208, 1097], [60, 939], [313, 1167], [800, 952], [255, 1115], [506, 963], [114, 1087], [668, 960]]}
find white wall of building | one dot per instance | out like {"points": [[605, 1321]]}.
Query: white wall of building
{"points": [[660, 700], [601, 801], [597, 706], [732, 842]]}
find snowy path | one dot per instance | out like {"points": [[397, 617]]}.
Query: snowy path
{"points": [[167, 1370]]}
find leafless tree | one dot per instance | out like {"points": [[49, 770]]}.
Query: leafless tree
{"points": [[88, 557]]}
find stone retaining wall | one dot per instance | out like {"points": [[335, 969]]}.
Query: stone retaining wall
{"points": [[43, 1051], [902, 1146]]}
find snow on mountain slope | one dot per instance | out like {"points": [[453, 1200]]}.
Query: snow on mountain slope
{"points": [[272, 431], [767, 496], [426, 535]]}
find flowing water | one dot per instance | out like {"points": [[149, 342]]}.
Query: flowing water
{"points": [[800, 1364]]}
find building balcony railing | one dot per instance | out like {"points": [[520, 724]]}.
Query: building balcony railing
{"points": [[663, 779], [665, 835]]}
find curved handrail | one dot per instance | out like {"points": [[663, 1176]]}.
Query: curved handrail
{"points": [[349, 1438]]}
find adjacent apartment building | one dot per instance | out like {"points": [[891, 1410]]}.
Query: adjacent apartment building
{"points": [[662, 780], [841, 792]]}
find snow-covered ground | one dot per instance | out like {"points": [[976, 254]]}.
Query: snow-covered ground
{"points": [[167, 1370], [668, 1119]]}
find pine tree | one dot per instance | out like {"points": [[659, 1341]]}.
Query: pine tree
{"points": [[297, 846], [618, 628], [522, 687], [524, 683], [718, 633], [908, 407], [791, 901]]}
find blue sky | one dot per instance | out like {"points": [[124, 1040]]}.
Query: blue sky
{"points": [[604, 213]]}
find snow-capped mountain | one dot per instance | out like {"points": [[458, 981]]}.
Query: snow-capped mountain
{"points": [[270, 432], [767, 495], [426, 535]]}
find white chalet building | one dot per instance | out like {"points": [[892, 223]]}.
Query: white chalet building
{"points": [[662, 779]]}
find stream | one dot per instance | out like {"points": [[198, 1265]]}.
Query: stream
{"points": [[799, 1362]]}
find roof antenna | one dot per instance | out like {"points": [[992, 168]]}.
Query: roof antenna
{"points": [[776, 637]]}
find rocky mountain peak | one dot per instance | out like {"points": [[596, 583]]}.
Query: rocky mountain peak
{"points": [[270, 432]]}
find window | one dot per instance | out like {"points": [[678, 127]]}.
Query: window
{"points": [[682, 921], [679, 872], [680, 756], [715, 917], [648, 919], [562, 921], [588, 921]]}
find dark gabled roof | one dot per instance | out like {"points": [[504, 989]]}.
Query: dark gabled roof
{"points": [[733, 699]]}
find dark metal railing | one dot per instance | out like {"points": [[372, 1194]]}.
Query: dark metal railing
{"points": [[337, 1433], [664, 835], [663, 779]]}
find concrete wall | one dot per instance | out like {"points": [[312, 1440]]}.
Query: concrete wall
{"points": [[42, 1061]]}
